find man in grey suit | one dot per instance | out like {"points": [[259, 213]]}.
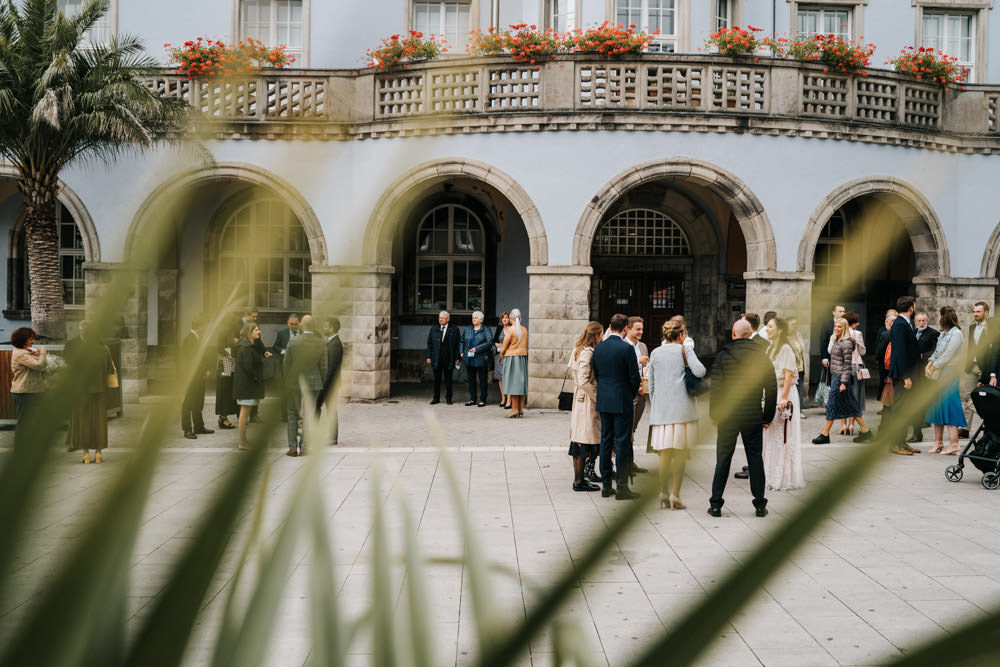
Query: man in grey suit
{"points": [[305, 362], [633, 336]]}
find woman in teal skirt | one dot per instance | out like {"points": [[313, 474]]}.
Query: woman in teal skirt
{"points": [[515, 364], [944, 364]]}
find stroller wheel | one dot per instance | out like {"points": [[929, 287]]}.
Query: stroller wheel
{"points": [[953, 473], [991, 480]]}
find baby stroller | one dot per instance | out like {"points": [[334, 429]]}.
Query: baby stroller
{"points": [[984, 446]]}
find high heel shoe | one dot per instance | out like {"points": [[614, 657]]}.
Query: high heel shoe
{"points": [[664, 502], [224, 423], [97, 456], [512, 414], [676, 504], [86, 456], [520, 413], [936, 449]]}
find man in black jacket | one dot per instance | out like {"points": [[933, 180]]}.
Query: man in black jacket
{"points": [[927, 337], [443, 354], [904, 360], [743, 399], [192, 353], [334, 360]]}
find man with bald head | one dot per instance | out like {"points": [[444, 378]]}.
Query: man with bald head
{"points": [[742, 401]]}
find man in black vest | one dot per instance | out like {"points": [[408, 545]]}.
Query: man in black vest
{"points": [[443, 354], [904, 362]]}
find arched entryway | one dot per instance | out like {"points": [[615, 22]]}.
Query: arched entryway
{"points": [[674, 237], [458, 236], [869, 242]]}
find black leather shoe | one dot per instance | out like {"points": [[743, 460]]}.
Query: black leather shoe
{"points": [[435, 401], [821, 439], [469, 403], [624, 493], [607, 491], [190, 435], [761, 511], [481, 404], [203, 431], [448, 401], [743, 474], [638, 468], [715, 511], [585, 486], [916, 437]]}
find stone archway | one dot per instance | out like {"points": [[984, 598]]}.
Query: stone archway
{"points": [[747, 209], [379, 233], [917, 214]]}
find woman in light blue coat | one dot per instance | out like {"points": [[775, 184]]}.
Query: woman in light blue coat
{"points": [[944, 366], [673, 415]]}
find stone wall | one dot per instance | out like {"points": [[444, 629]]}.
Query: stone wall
{"points": [[559, 309]]}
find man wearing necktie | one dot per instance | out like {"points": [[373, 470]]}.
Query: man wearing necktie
{"points": [[443, 354]]}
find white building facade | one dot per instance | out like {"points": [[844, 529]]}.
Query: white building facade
{"points": [[678, 182]]}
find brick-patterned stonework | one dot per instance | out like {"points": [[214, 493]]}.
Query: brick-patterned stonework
{"points": [[558, 309]]}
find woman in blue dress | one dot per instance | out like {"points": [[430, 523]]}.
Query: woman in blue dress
{"points": [[944, 367]]}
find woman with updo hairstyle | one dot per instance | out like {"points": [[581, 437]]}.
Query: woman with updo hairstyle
{"points": [[585, 420], [943, 368], [782, 438], [673, 413], [515, 364]]}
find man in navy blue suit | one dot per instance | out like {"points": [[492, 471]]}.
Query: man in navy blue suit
{"points": [[617, 372], [904, 362]]}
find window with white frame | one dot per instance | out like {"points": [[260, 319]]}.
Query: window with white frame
{"points": [[263, 255], [813, 20], [451, 20], [650, 16], [560, 15], [71, 258], [100, 32], [451, 261], [275, 23], [951, 33], [723, 14]]}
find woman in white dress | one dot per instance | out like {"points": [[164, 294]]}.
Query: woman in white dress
{"points": [[783, 436], [673, 414]]}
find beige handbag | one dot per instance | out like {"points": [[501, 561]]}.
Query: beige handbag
{"points": [[112, 381]]}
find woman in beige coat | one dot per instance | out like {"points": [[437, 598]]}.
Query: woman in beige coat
{"points": [[585, 421]]}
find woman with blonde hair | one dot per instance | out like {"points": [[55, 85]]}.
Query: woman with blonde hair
{"points": [[943, 368], [673, 413], [515, 364], [498, 338], [585, 420], [783, 436], [841, 404]]}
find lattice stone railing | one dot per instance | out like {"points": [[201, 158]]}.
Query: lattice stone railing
{"points": [[669, 84]]}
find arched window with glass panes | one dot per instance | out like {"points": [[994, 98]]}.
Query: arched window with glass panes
{"points": [[71, 259], [263, 256], [641, 232], [450, 261]]}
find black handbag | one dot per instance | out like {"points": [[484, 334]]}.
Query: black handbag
{"points": [[565, 397], [695, 385]]}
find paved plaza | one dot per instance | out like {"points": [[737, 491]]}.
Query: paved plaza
{"points": [[908, 557]]}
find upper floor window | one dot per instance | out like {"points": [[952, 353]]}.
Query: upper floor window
{"points": [[824, 21], [560, 15], [100, 32], [275, 23], [723, 14], [650, 16], [264, 256], [451, 19], [952, 34], [451, 261]]}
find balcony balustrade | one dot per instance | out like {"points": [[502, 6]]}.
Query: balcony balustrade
{"points": [[646, 92]]}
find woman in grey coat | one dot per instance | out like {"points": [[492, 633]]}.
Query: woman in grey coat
{"points": [[673, 415]]}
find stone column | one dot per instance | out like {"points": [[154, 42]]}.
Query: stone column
{"points": [[361, 297], [788, 293], [960, 293], [558, 310], [127, 286]]}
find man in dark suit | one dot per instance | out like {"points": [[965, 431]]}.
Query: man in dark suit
{"points": [[334, 360], [617, 372], [904, 362], [192, 353], [927, 337], [305, 364], [743, 399], [443, 354]]}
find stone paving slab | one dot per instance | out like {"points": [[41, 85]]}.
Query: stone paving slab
{"points": [[907, 557]]}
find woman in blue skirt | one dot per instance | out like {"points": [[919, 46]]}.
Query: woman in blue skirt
{"points": [[944, 367]]}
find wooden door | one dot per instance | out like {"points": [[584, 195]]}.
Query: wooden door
{"points": [[655, 297]]}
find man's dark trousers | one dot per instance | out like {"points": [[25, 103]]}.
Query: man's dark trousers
{"points": [[445, 372], [191, 408], [616, 433], [753, 444]]}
